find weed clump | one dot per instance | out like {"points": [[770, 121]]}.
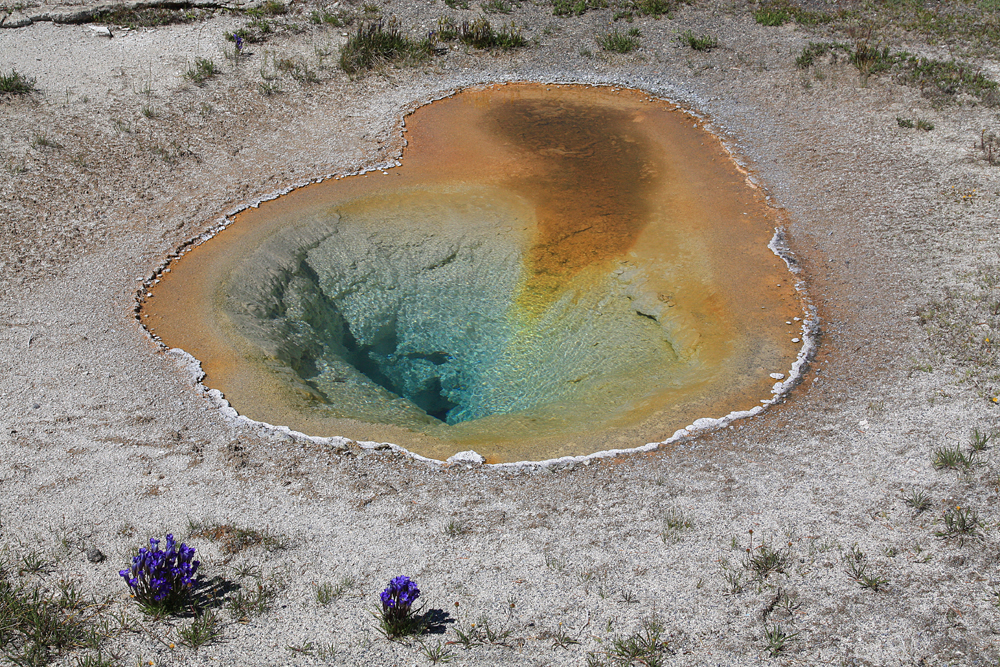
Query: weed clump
{"points": [[497, 7], [620, 42], [777, 639], [654, 8], [43, 140], [857, 568], [246, 605], [773, 14], [645, 646], [918, 500], [35, 623], [764, 560], [202, 70], [378, 43], [233, 539], [944, 81], [816, 50], [699, 42], [959, 523], [989, 145], [16, 83], [481, 34], [148, 17], [952, 458], [576, 7], [674, 523], [336, 19], [204, 629]]}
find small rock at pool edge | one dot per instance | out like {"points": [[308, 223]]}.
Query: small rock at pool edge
{"points": [[95, 555], [470, 456]]}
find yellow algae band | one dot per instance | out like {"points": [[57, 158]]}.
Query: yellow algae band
{"points": [[553, 270]]}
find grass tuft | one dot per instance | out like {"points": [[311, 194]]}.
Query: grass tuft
{"points": [[773, 14], [336, 19], [148, 17], [944, 81], [989, 146], [576, 7], [674, 523], [327, 593], [620, 42], [777, 639], [867, 55], [438, 653], [34, 624], [980, 440], [44, 141], [376, 44], [202, 70], [918, 500], [456, 527], [952, 458], [246, 605], [857, 568], [699, 42], [764, 560], [497, 7], [480, 34], [816, 50], [233, 539], [16, 83], [203, 630], [645, 646], [959, 523]]}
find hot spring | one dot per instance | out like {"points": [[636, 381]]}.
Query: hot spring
{"points": [[552, 270]]}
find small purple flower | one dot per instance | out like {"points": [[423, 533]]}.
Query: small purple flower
{"points": [[397, 599], [162, 579], [239, 41], [401, 593]]}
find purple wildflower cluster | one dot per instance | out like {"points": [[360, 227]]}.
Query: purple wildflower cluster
{"points": [[162, 579], [397, 600], [399, 596]]}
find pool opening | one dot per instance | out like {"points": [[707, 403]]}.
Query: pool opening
{"points": [[553, 270]]}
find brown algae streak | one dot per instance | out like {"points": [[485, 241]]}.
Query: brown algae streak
{"points": [[553, 270], [590, 184]]}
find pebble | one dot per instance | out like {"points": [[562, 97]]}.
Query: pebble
{"points": [[795, 340], [778, 376], [95, 555]]}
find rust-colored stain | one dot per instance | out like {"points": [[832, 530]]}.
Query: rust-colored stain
{"points": [[592, 173]]}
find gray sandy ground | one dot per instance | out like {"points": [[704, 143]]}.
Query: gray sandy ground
{"points": [[106, 440]]}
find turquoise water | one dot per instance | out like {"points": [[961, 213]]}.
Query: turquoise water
{"points": [[401, 309]]}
